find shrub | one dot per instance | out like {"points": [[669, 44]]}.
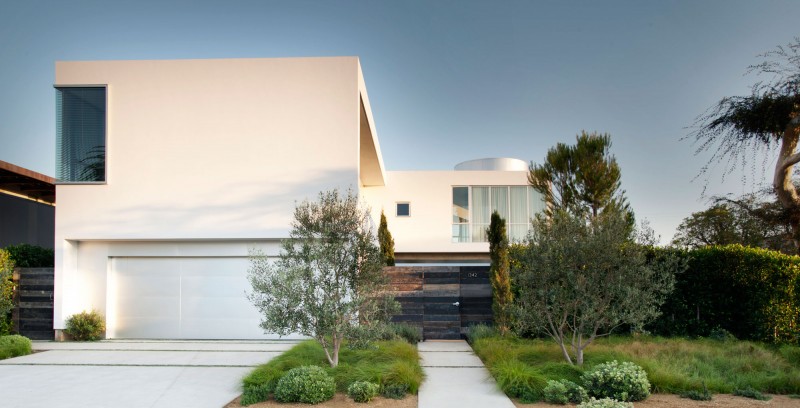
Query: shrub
{"points": [[555, 392], [362, 391], [749, 392], [752, 293], [31, 256], [480, 331], [395, 391], [519, 380], [605, 403], [6, 290], [14, 346], [575, 393], [86, 326], [407, 332], [308, 384], [255, 393], [621, 381]]}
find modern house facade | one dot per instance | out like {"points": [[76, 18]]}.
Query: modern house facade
{"points": [[169, 172], [27, 207]]}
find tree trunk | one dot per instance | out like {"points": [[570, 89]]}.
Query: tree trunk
{"points": [[782, 182]]}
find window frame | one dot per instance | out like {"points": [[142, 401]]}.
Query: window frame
{"points": [[397, 205], [105, 134]]}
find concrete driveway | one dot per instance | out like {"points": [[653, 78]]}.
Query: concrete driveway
{"points": [[137, 374]]}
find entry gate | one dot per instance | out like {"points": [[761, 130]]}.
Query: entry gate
{"points": [[442, 301]]}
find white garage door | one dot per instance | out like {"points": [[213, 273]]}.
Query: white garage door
{"points": [[181, 298]]}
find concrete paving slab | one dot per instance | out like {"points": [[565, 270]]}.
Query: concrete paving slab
{"points": [[132, 374], [119, 387], [456, 377], [225, 345], [449, 359], [145, 358]]}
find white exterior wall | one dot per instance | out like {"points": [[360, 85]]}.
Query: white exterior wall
{"points": [[203, 158], [430, 194]]}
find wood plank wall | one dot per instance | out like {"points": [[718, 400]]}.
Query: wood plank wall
{"points": [[426, 295]]}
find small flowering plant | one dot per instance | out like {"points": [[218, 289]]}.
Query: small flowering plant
{"points": [[620, 381]]}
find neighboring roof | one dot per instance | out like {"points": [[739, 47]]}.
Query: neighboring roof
{"points": [[27, 183]]}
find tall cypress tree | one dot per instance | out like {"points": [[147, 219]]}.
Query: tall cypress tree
{"points": [[386, 241], [500, 277]]}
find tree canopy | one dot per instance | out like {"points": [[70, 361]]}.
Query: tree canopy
{"points": [[738, 127], [328, 281], [582, 178], [580, 280]]}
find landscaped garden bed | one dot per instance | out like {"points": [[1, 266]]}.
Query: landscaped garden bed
{"points": [[393, 366], [522, 368]]}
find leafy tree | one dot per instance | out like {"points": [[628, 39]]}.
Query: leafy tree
{"points": [[739, 127], [583, 178], [581, 279], [747, 220], [6, 290], [502, 297], [328, 281], [386, 241]]}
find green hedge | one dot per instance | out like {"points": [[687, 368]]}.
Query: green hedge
{"points": [[750, 292], [31, 256]]}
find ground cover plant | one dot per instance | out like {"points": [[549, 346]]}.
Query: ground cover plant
{"points": [[392, 365], [522, 367], [14, 346]]}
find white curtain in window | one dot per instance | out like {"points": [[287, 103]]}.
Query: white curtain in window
{"points": [[519, 205], [500, 201], [480, 213]]}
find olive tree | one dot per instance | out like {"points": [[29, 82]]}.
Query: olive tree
{"points": [[327, 282], [581, 278]]}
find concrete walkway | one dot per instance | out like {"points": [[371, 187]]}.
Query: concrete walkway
{"points": [[132, 373], [457, 378]]}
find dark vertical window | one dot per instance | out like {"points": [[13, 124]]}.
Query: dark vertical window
{"points": [[81, 134]]}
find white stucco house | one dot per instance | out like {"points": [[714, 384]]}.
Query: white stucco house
{"points": [[169, 171]]}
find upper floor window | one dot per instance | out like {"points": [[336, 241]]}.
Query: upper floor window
{"points": [[81, 134], [473, 207], [403, 209]]}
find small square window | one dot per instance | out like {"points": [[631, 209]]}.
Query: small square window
{"points": [[403, 209]]}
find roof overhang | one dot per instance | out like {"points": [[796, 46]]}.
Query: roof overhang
{"points": [[26, 183]]}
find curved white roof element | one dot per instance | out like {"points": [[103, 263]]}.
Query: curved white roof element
{"points": [[493, 164]]}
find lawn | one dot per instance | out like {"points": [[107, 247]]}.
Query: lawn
{"points": [[394, 365], [673, 365]]}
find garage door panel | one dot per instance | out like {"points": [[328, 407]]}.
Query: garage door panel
{"points": [[149, 328], [183, 298]]}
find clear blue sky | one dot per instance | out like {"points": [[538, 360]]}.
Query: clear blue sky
{"points": [[448, 80]]}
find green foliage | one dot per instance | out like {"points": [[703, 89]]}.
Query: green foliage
{"points": [[605, 403], [255, 393], [519, 380], [411, 334], [698, 395], [583, 179], [6, 290], [564, 391], [392, 364], [621, 381], [580, 280], [499, 271], [328, 280], [31, 256], [308, 384], [386, 241], [86, 326], [673, 365], [362, 391], [395, 391], [480, 331], [752, 293], [751, 393], [14, 346]]}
